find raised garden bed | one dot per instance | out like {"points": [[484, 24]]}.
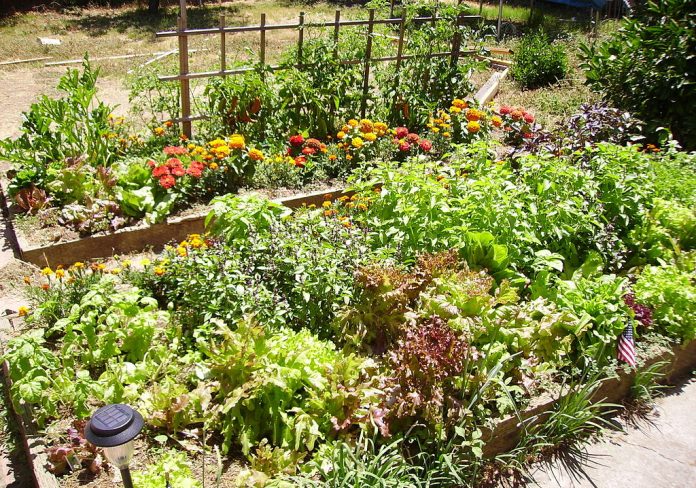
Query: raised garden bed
{"points": [[679, 361], [140, 237]]}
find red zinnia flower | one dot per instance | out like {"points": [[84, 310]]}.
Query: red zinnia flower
{"points": [[173, 162], [309, 151], [504, 110], [300, 161], [516, 114], [425, 145], [151, 163], [313, 144], [195, 169], [529, 118], [401, 132], [404, 146], [167, 181], [162, 170], [178, 171], [412, 137], [297, 140], [527, 135]]}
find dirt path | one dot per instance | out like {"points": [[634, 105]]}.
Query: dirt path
{"points": [[19, 89]]}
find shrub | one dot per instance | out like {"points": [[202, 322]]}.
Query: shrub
{"points": [[646, 68], [539, 62]]}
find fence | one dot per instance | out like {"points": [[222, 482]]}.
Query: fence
{"points": [[183, 33]]}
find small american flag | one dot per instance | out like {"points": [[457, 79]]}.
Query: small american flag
{"points": [[627, 348]]}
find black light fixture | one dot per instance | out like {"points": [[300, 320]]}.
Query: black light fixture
{"points": [[113, 428]]}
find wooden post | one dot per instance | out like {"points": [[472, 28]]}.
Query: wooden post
{"points": [[456, 38], [183, 70], [400, 47], [368, 56], [262, 50], [300, 40], [391, 9], [223, 47], [480, 7], [500, 19], [337, 26]]}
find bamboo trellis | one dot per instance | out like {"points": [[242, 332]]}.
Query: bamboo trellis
{"points": [[183, 33]]}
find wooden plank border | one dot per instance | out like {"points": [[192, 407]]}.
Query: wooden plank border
{"points": [[33, 443], [138, 238]]}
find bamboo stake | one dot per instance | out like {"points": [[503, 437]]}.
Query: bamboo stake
{"points": [[262, 41], [366, 72], [400, 47], [18, 61]]}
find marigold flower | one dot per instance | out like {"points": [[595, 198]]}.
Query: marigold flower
{"points": [[45, 287], [78, 265], [101, 266], [326, 204], [237, 142], [159, 270], [47, 271], [116, 271], [349, 157], [473, 115], [362, 207], [256, 155], [297, 140], [27, 280], [333, 157], [347, 224], [353, 123], [357, 142], [183, 137], [455, 110], [340, 135], [496, 121], [145, 262], [60, 273], [168, 123], [167, 181], [473, 126], [216, 143], [159, 131], [370, 136], [23, 311], [366, 126], [380, 128], [127, 263], [459, 103], [446, 134], [181, 251]]}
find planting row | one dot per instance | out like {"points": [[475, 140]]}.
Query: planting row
{"points": [[378, 335]]}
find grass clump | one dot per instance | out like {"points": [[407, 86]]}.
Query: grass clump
{"points": [[539, 62]]}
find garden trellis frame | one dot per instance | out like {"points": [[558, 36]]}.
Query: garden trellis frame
{"points": [[183, 33]]}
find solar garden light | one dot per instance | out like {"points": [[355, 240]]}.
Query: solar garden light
{"points": [[113, 428]]}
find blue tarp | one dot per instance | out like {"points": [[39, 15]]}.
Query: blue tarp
{"points": [[581, 3]]}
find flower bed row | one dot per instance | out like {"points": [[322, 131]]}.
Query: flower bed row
{"points": [[99, 177], [440, 297]]}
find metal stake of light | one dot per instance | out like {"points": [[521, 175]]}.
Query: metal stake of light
{"points": [[114, 427]]}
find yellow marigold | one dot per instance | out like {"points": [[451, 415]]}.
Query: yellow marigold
{"points": [[435, 129], [362, 207], [333, 157], [455, 110], [381, 128], [366, 126], [370, 136], [353, 123], [446, 134], [237, 141], [159, 131], [216, 143], [197, 242], [23, 311], [213, 166], [221, 152], [191, 146], [159, 270], [47, 271], [345, 128], [496, 121], [145, 262], [349, 157], [357, 142], [181, 251], [340, 135], [326, 204], [473, 114], [27, 280], [459, 103], [78, 265], [256, 155], [60, 273], [347, 224], [116, 271], [127, 263], [473, 126], [101, 266]]}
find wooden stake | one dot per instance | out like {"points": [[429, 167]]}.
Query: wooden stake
{"points": [[337, 26], [400, 47], [366, 72], [223, 44], [300, 40], [262, 51], [183, 70]]}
